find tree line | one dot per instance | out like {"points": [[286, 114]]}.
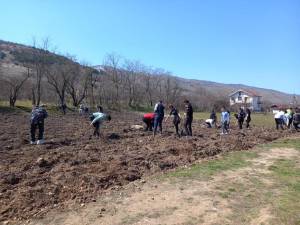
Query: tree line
{"points": [[117, 84]]}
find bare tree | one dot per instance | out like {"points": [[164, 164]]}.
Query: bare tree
{"points": [[133, 73], [77, 85], [58, 77], [14, 85], [113, 70]]}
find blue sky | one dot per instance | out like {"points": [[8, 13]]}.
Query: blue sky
{"points": [[254, 42]]}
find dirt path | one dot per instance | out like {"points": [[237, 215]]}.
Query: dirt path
{"points": [[217, 199]]}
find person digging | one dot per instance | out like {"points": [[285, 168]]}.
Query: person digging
{"points": [[176, 118], [97, 119], [38, 115], [148, 119]]}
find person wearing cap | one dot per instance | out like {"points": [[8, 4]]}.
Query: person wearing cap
{"points": [[148, 119], [38, 115]]}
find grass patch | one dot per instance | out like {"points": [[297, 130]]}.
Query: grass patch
{"points": [[26, 106], [229, 161], [287, 205], [286, 143]]}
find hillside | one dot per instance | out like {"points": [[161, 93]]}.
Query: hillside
{"points": [[220, 89], [13, 56]]}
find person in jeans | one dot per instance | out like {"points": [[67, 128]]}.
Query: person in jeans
{"points": [[159, 111], [176, 118], [38, 115], [188, 118], [225, 118]]}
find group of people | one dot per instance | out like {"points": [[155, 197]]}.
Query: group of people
{"points": [[154, 121], [39, 114], [287, 118]]}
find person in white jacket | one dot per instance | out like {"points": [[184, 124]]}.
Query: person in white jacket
{"points": [[97, 119], [279, 119]]}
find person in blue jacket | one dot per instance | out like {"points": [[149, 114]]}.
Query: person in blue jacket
{"points": [[97, 119]]}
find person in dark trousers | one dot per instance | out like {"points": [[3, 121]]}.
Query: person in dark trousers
{"points": [[38, 115], [97, 119], [241, 117], [212, 121], [289, 115], [159, 111], [279, 121], [188, 118], [148, 119], [176, 118], [296, 120], [225, 118], [248, 117]]}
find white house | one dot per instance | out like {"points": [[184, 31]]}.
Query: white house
{"points": [[246, 98]]}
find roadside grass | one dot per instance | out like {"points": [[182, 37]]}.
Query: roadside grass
{"points": [[284, 143], [286, 173], [273, 196], [228, 161]]}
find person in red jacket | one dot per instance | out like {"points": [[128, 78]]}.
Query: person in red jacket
{"points": [[148, 119]]}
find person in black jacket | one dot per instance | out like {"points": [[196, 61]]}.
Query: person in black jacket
{"points": [[38, 115], [176, 118], [159, 111], [241, 117], [248, 117], [296, 120], [188, 118]]}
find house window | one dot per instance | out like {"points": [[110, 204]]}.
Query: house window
{"points": [[240, 96]]}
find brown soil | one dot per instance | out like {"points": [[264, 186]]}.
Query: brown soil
{"points": [[72, 167]]}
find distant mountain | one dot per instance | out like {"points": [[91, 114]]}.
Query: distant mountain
{"points": [[11, 56]]}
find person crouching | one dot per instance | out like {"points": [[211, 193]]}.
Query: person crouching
{"points": [[212, 121], [148, 119]]}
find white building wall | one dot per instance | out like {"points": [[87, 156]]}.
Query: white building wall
{"points": [[244, 98]]}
